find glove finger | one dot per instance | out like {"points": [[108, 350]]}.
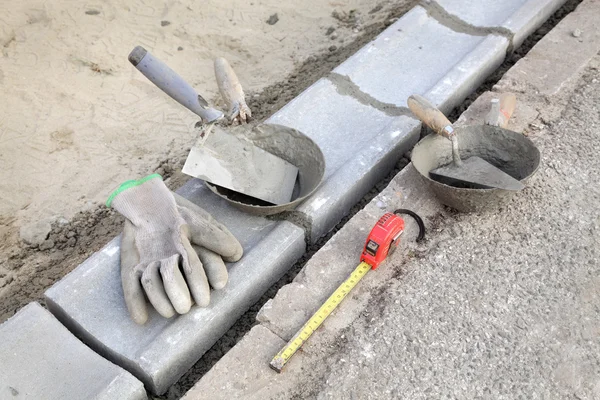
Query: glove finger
{"points": [[175, 285], [207, 232], [153, 286], [195, 275], [131, 275], [214, 267]]}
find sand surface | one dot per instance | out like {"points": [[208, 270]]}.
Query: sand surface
{"points": [[78, 119]]}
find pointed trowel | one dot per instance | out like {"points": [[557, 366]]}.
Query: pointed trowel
{"points": [[222, 158]]}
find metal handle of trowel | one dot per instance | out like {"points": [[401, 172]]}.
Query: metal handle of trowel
{"points": [[172, 84], [430, 116]]}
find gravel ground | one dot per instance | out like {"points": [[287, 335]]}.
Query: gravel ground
{"points": [[502, 305]]}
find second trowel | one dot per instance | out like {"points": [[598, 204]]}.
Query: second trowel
{"points": [[473, 172], [221, 158]]}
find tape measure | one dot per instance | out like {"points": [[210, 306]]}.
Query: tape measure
{"points": [[382, 240]]}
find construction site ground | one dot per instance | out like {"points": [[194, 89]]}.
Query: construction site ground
{"points": [[500, 304]]}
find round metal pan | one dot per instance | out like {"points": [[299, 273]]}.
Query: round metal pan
{"points": [[507, 150], [294, 147]]}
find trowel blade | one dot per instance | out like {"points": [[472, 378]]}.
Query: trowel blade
{"points": [[475, 173], [236, 164]]}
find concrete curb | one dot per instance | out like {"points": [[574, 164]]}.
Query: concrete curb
{"points": [[358, 117], [41, 359]]}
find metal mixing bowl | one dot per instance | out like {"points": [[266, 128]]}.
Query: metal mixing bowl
{"points": [[294, 147], [510, 151]]}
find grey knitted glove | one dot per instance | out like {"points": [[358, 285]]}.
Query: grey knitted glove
{"points": [[171, 249]]}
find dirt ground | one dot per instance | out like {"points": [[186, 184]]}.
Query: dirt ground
{"points": [[65, 148]]}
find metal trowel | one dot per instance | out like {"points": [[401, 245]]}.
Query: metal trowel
{"points": [[473, 172], [221, 158], [227, 160]]}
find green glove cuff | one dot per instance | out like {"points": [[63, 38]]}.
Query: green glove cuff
{"points": [[128, 185]]}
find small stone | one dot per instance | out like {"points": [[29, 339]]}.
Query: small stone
{"points": [[88, 206], [576, 33], [330, 30], [165, 23], [70, 234], [71, 242], [62, 221], [47, 244], [92, 12], [332, 48], [179, 48], [333, 36], [273, 19], [36, 233]]}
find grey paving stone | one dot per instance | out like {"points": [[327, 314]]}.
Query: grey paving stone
{"points": [[41, 359], [332, 201], [89, 301], [243, 372], [284, 314], [341, 125], [521, 17], [415, 55], [561, 55]]}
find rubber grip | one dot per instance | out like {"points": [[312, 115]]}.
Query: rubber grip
{"points": [[172, 84], [508, 102], [430, 115]]}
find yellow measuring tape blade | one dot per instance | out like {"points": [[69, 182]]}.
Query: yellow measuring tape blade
{"points": [[317, 319]]}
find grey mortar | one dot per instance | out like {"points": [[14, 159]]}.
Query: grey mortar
{"points": [[450, 21], [297, 218], [344, 86]]}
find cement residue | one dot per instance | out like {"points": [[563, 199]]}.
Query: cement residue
{"points": [[344, 86], [456, 24]]}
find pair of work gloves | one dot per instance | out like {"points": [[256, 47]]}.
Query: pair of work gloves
{"points": [[172, 251]]}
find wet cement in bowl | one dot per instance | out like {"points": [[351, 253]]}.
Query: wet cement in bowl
{"points": [[507, 150], [294, 147]]}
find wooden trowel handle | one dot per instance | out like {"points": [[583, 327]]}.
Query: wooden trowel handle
{"points": [[430, 115], [508, 102]]}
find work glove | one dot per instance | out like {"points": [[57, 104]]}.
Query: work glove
{"points": [[171, 249]]}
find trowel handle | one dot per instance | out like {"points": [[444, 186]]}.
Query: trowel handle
{"points": [[172, 84], [508, 102], [430, 115]]}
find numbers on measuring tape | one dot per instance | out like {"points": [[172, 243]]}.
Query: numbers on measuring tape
{"points": [[319, 317]]}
